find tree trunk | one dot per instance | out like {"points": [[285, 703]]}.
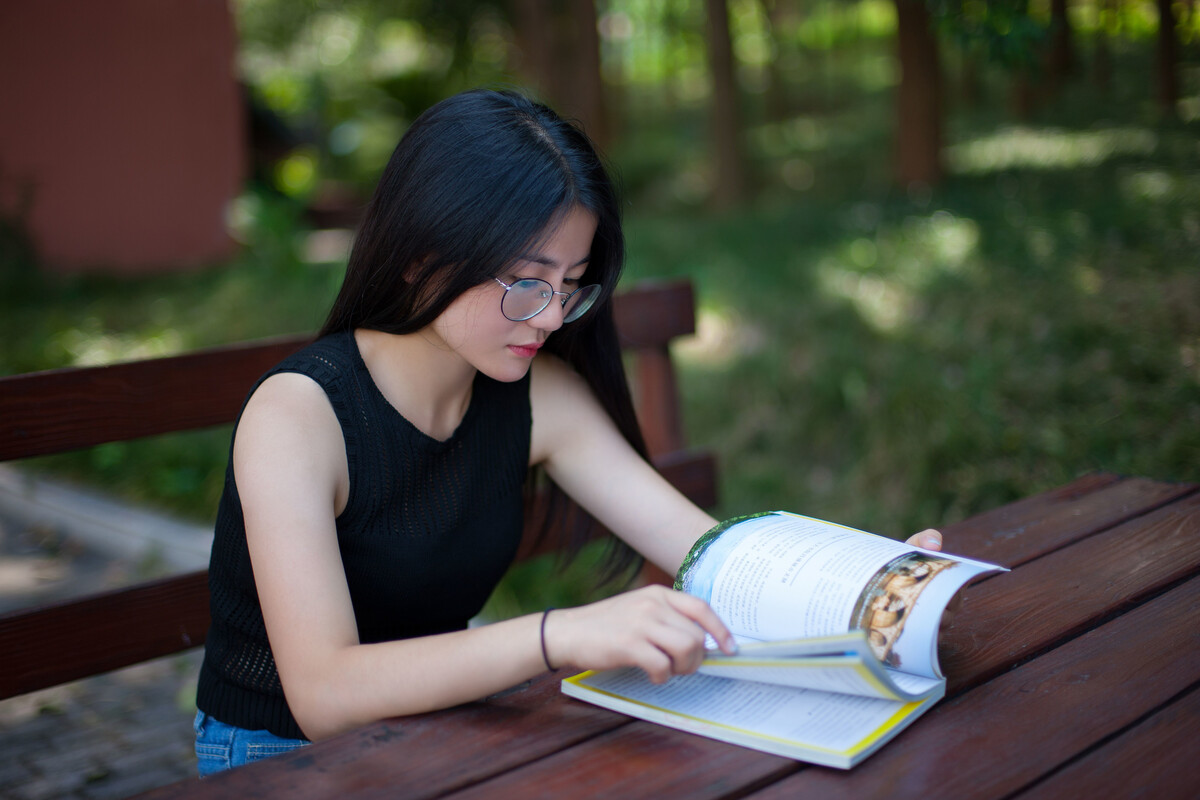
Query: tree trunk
{"points": [[970, 84], [919, 101], [1168, 79], [1060, 62], [533, 29], [730, 185], [559, 45], [1102, 61], [586, 98], [775, 100]]}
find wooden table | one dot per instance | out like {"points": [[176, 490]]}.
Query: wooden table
{"points": [[1075, 675]]}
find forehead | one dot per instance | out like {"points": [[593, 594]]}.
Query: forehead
{"points": [[566, 242]]}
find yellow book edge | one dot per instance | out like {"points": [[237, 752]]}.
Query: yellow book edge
{"points": [[903, 713]]}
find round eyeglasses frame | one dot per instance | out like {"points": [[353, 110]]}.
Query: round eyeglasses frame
{"points": [[585, 302]]}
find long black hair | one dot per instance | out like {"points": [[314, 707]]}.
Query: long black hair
{"points": [[474, 181]]}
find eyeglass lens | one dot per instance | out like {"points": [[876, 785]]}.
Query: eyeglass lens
{"points": [[527, 298]]}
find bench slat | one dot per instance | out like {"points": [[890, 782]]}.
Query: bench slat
{"points": [[74, 639], [70, 409]]}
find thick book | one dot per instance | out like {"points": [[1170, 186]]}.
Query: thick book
{"points": [[837, 632]]}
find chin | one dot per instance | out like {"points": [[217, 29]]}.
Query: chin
{"points": [[507, 373]]}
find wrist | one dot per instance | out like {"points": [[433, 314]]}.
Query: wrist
{"points": [[542, 637]]}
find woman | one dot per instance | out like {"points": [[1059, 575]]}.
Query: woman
{"points": [[374, 493]]}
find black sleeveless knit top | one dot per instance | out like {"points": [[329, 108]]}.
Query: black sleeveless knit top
{"points": [[428, 530]]}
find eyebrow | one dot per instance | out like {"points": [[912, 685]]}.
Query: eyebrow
{"points": [[540, 259]]}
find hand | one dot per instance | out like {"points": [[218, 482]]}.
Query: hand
{"points": [[655, 628]]}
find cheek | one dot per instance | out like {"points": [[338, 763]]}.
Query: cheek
{"points": [[471, 316]]}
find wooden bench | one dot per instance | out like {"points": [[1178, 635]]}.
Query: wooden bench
{"points": [[70, 409]]}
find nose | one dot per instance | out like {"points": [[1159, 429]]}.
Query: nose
{"points": [[550, 318]]}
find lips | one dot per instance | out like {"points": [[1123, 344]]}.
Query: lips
{"points": [[525, 350]]}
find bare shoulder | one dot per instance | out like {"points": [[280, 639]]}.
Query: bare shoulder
{"points": [[287, 400], [289, 430], [551, 375], [562, 405]]}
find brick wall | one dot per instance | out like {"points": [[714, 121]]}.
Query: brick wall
{"points": [[121, 130]]}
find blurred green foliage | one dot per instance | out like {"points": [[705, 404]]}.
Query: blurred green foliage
{"points": [[886, 358]]}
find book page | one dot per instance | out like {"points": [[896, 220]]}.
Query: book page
{"points": [[783, 576], [843, 663], [845, 674], [740, 711]]}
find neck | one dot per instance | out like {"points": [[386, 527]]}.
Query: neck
{"points": [[438, 400]]}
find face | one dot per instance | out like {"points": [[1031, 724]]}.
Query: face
{"points": [[473, 327]]}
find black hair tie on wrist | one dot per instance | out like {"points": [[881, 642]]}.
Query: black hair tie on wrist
{"points": [[545, 657]]}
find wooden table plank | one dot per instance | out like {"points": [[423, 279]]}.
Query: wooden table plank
{"points": [[1163, 752], [1001, 737], [417, 757], [648, 762], [1021, 531], [1015, 616]]}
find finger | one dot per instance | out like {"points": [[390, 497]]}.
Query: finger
{"points": [[655, 663], [702, 614], [929, 539], [684, 646]]}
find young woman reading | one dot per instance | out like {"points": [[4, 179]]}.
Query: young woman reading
{"points": [[375, 488]]}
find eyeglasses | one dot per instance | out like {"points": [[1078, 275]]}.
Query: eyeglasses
{"points": [[528, 297]]}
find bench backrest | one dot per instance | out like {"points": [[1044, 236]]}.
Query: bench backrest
{"points": [[68, 409]]}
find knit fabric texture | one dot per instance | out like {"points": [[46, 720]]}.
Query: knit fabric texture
{"points": [[428, 530]]}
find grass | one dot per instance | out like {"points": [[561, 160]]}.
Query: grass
{"points": [[891, 360]]}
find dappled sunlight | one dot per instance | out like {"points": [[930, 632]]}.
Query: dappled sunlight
{"points": [[720, 337], [1156, 185], [1021, 147], [403, 48], [242, 215], [1189, 358], [883, 277], [1189, 108], [20, 575], [884, 304], [1087, 280], [330, 246], [804, 134], [90, 345]]}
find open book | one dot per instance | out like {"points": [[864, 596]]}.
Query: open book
{"points": [[837, 632]]}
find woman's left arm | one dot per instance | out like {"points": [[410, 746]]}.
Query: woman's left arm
{"points": [[585, 454]]}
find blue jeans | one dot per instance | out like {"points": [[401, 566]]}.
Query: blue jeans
{"points": [[220, 746]]}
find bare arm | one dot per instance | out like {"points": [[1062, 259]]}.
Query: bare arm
{"points": [[584, 453]]}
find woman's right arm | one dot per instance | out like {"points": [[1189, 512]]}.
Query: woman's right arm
{"points": [[290, 468]]}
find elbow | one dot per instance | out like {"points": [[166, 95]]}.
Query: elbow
{"points": [[319, 706], [318, 716]]}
